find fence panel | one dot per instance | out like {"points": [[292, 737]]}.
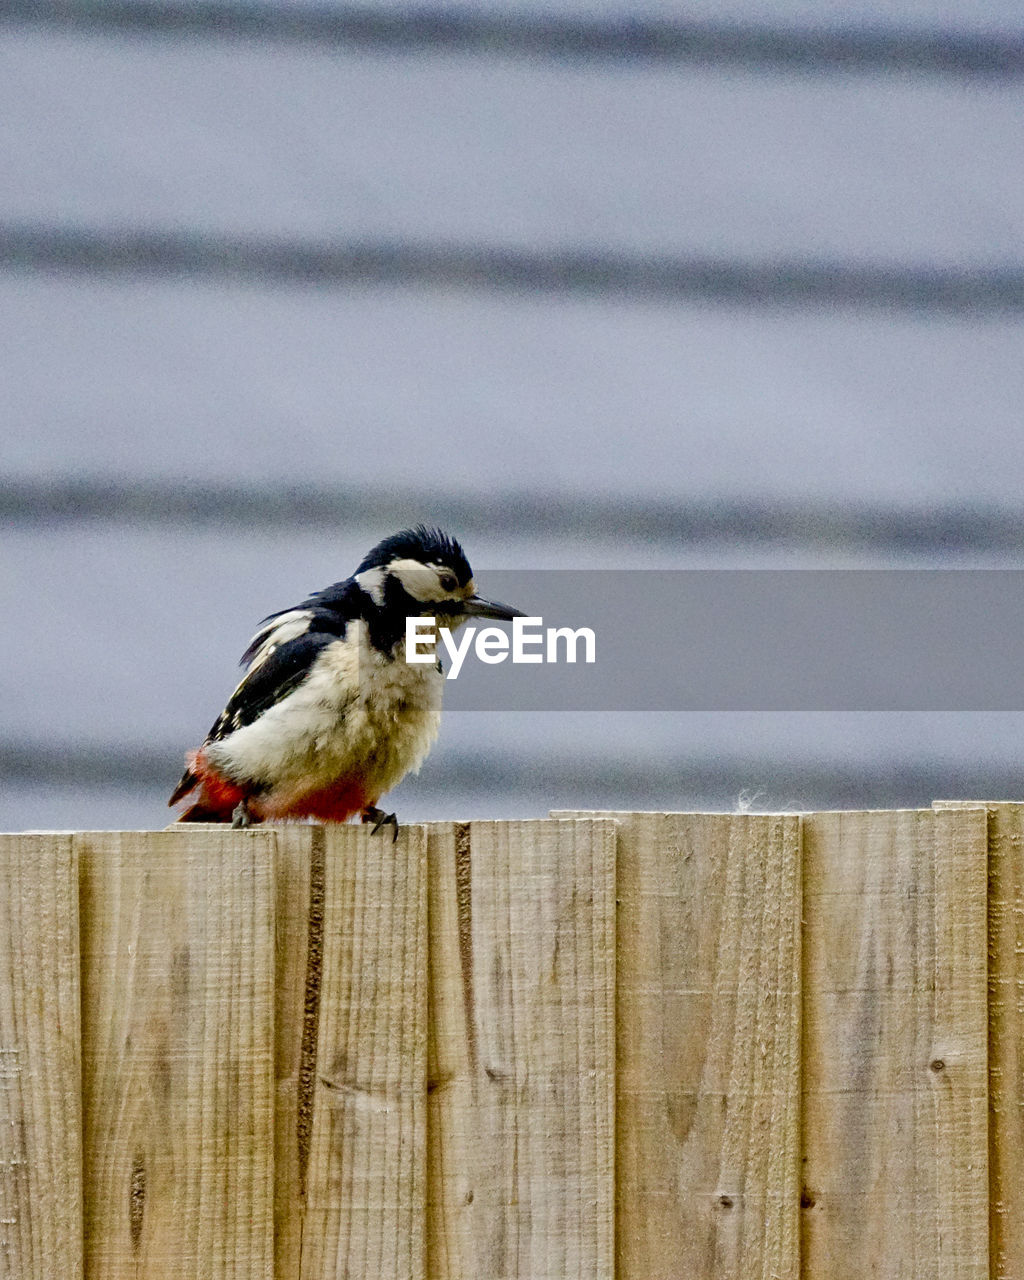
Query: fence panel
{"points": [[177, 1051], [592, 1047], [522, 939], [895, 1053], [708, 1016], [366, 1179], [40, 1062]]}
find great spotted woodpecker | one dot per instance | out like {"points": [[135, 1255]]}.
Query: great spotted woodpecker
{"points": [[329, 715]]}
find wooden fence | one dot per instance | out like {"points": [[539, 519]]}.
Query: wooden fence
{"points": [[642, 1046]]}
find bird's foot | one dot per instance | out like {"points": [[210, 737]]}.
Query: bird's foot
{"points": [[380, 819], [241, 816]]}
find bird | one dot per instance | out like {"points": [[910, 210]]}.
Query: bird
{"points": [[329, 716]]}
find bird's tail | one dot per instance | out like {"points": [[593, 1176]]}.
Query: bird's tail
{"points": [[188, 781], [217, 796]]}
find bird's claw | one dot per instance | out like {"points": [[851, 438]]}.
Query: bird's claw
{"points": [[380, 819], [241, 817]]}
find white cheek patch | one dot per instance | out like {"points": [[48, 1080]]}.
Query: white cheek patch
{"points": [[420, 581]]}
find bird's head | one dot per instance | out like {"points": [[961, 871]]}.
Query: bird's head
{"points": [[424, 572]]}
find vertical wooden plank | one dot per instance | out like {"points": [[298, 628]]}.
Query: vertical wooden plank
{"points": [[958, 1068], [895, 1052], [454, 1138], [299, 895], [178, 1053], [1006, 1044], [708, 1022], [40, 1065], [522, 935], [366, 1180]]}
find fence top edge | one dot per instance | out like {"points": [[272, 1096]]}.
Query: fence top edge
{"points": [[554, 815]]}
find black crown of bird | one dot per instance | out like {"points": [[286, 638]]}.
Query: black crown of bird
{"points": [[329, 716]]}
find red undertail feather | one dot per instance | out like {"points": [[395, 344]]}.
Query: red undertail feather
{"points": [[217, 797], [335, 803]]}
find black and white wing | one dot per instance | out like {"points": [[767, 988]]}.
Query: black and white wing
{"points": [[280, 657]]}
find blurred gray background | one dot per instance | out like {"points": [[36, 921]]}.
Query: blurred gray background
{"points": [[593, 285]]}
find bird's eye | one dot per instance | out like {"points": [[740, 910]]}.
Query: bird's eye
{"points": [[448, 582]]}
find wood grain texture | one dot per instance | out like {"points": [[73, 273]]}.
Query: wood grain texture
{"points": [[707, 1099], [550, 1050], [178, 1053], [1006, 1038], [40, 1064], [365, 1187], [298, 918], [958, 1069], [522, 934], [895, 1045]]}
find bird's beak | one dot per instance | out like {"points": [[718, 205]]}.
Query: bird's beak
{"points": [[478, 607]]}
